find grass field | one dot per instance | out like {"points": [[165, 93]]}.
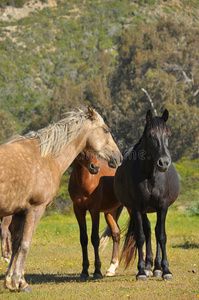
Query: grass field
{"points": [[54, 263]]}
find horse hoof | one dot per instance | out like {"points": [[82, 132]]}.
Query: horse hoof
{"points": [[157, 273], [97, 276], [149, 273], [26, 290], [5, 259], [84, 276], [141, 278], [167, 277], [109, 274]]}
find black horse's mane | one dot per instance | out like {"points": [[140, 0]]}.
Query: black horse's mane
{"points": [[128, 151]]}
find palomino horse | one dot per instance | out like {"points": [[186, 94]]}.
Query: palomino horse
{"points": [[148, 182], [30, 173], [91, 188]]}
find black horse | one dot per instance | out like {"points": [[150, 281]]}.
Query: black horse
{"points": [[148, 182]]}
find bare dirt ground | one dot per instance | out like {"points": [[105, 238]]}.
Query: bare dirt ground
{"points": [[12, 13]]}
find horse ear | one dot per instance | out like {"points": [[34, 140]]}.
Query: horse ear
{"points": [[149, 116], [165, 115], [81, 155], [91, 113]]}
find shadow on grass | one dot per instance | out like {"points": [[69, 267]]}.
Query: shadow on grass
{"points": [[56, 278], [187, 245]]}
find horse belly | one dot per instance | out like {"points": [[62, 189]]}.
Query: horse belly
{"points": [[108, 200], [13, 192]]}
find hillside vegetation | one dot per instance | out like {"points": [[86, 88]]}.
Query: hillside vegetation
{"points": [[103, 53]]}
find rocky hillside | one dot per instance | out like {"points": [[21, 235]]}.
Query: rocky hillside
{"points": [[55, 55]]}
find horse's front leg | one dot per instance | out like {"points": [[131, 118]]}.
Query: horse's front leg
{"points": [[24, 226], [95, 242], [111, 221], [161, 243], [140, 239], [149, 254], [80, 214], [157, 272]]}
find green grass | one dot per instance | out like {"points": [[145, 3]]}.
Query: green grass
{"points": [[54, 263]]}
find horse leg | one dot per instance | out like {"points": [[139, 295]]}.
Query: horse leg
{"points": [[107, 233], [161, 243], [149, 254], [140, 239], [95, 242], [80, 214], [6, 243], [111, 221], [157, 272], [24, 226]]}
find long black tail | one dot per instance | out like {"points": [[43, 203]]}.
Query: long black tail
{"points": [[129, 250]]}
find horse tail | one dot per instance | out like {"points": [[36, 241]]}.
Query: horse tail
{"points": [[105, 238], [129, 250], [107, 232]]}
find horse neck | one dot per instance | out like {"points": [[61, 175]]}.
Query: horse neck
{"points": [[80, 173], [147, 163], [70, 152]]}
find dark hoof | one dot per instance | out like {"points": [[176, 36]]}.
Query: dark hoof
{"points": [[148, 273], [26, 290], [167, 277], [141, 278], [97, 276], [84, 276], [157, 273]]}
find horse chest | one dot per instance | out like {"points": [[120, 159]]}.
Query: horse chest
{"points": [[153, 192]]}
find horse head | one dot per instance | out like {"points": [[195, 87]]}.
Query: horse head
{"points": [[156, 136], [100, 141], [89, 160]]}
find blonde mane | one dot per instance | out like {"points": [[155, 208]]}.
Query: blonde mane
{"points": [[54, 137]]}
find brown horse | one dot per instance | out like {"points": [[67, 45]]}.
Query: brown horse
{"points": [[91, 188], [30, 173]]}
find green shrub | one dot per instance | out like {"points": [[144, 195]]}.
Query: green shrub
{"points": [[188, 171]]}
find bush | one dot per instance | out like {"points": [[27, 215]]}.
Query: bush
{"points": [[188, 171], [15, 3], [193, 210]]}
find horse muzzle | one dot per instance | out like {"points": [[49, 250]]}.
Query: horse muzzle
{"points": [[163, 164], [115, 161], [93, 168]]}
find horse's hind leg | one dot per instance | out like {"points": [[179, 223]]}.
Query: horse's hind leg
{"points": [[149, 254], [6, 243], [24, 226], [140, 239], [111, 221], [95, 242], [80, 214]]}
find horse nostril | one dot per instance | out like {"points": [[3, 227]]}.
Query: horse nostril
{"points": [[92, 166], [164, 162], [160, 162]]}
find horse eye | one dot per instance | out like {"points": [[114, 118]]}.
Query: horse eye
{"points": [[152, 134], [106, 129]]}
